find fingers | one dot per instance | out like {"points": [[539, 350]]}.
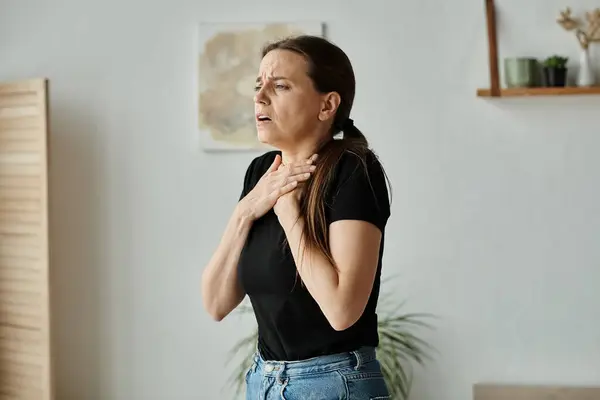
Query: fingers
{"points": [[288, 188], [301, 170], [288, 177], [309, 161], [275, 164], [301, 177], [281, 190], [299, 167]]}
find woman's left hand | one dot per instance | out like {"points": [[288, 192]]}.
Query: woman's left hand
{"points": [[287, 207]]}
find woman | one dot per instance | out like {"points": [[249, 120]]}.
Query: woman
{"points": [[305, 241]]}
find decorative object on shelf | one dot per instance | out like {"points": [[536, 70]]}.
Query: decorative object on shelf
{"points": [[494, 90], [520, 72], [586, 73], [228, 57], [400, 347], [586, 34], [555, 71], [592, 31]]}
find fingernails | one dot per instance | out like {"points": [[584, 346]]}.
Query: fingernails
{"points": [[313, 167], [312, 159]]}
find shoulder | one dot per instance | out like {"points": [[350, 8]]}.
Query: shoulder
{"points": [[261, 163], [351, 162], [359, 188], [358, 169], [257, 167]]}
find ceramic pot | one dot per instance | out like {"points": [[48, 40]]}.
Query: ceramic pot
{"points": [[555, 77], [520, 72]]}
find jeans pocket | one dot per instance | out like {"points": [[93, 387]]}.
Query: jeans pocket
{"points": [[366, 385], [321, 385]]}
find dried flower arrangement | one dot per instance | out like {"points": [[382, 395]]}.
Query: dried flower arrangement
{"points": [[585, 34]]}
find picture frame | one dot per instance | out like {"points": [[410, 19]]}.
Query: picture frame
{"points": [[228, 57]]}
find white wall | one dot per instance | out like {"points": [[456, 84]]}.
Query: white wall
{"points": [[496, 212]]}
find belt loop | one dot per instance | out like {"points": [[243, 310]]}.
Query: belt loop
{"points": [[255, 362], [358, 360], [281, 371]]}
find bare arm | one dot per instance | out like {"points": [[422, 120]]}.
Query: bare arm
{"points": [[221, 288], [342, 285], [342, 293]]}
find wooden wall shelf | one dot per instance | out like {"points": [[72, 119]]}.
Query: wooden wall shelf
{"points": [[495, 90], [541, 91]]}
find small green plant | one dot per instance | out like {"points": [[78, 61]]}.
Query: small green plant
{"points": [[556, 61], [399, 348]]}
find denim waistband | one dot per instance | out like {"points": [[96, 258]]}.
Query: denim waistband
{"points": [[327, 363]]}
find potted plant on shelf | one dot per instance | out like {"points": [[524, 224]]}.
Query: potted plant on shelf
{"points": [[555, 71], [399, 347]]}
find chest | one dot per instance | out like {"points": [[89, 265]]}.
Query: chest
{"points": [[266, 263]]}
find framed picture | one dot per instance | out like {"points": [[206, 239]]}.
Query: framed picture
{"points": [[229, 56]]}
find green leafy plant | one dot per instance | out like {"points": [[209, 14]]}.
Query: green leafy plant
{"points": [[556, 61], [399, 348]]}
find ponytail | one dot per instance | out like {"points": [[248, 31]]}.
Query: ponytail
{"points": [[316, 232], [352, 132]]}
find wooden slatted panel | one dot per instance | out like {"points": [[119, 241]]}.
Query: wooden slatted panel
{"points": [[25, 359], [537, 392]]}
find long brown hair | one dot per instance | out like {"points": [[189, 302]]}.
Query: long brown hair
{"points": [[330, 71]]}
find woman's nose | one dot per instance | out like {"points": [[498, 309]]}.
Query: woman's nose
{"points": [[260, 97]]}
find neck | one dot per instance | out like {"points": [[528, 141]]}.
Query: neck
{"points": [[289, 157], [299, 152]]}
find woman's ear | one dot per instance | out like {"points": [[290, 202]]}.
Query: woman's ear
{"points": [[330, 104]]}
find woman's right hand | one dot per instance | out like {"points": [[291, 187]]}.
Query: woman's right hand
{"points": [[277, 181]]}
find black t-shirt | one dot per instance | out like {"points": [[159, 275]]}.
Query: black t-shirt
{"points": [[291, 326]]}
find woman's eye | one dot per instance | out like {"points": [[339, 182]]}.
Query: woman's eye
{"points": [[277, 86]]}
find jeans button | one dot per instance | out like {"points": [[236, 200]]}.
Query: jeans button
{"points": [[269, 368]]}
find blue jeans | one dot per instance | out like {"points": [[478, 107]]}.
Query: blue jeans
{"points": [[347, 376]]}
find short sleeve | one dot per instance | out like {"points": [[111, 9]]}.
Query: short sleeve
{"points": [[359, 191], [248, 183], [255, 171]]}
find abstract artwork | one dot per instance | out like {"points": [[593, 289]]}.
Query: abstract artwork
{"points": [[228, 61]]}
